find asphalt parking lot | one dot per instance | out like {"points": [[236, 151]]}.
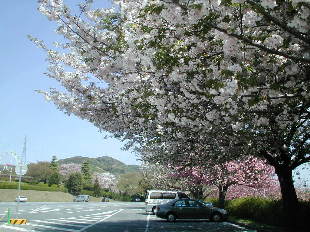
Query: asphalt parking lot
{"points": [[98, 217]]}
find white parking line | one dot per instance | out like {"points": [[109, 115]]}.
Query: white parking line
{"points": [[66, 220], [234, 225], [54, 228], [55, 223], [36, 209], [147, 223], [107, 212], [13, 228], [85, 228]]}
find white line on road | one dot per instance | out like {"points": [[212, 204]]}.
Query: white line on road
{"points": [[36, 209], [234, 225], [147, 223], [107, 212], [57, 223], [85, 228], [71, 221], [54, 228], [13, 228]]}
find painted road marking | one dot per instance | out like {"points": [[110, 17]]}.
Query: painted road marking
{"points": [[147, 223], [236, 226], [64, 224], [101, 220], [54, 228], [107, 212], [13, 228], [35, 210], [70, 221]]}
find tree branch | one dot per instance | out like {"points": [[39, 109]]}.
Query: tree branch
{"points": [[268, 50], [277, 22]]}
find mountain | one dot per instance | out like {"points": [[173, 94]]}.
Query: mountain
{"points": [[102, 164]]}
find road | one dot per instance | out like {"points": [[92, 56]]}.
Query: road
{"points": [[98, 217]]}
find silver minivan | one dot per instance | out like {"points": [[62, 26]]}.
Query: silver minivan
{"points": [[158, 197], [81, 198]]}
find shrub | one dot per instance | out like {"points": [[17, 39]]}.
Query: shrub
{"points": [[37, 187], [264, 210], [116, 196], [257, 209], [74, 183], [87, 192]]}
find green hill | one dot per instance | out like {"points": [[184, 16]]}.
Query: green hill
{"points": [[102, 164]]}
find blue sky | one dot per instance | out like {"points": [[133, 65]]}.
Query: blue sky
{"points": [[25, 112]]}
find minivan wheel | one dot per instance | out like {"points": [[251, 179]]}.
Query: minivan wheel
{"points": [[216, 217], [171, 217]]}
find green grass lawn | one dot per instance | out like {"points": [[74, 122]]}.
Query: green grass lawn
{"points": [[9, 195]]}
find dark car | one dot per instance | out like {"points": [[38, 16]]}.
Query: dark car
{"points": [[190, 209]]}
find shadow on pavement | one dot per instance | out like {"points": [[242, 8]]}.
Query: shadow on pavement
{"points": [[142, 226]]}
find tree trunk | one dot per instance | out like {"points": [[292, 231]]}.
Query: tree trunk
{"points": [[289, 197], [222, 195], [197, 192]]}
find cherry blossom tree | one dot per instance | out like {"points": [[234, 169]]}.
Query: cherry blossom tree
{"points": [[251, 172], [160, 177], [66, 169], [172, 73], [106, 180]]}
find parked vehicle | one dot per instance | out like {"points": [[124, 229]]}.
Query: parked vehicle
{"points": [[190, 209], [105, 199], [157, 197], [81, 198], [21, 199]]}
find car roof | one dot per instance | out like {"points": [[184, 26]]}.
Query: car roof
{"points": [[163, 191]]}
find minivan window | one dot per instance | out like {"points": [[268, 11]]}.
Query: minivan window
{"points": [[156, 195], [169, 195]]}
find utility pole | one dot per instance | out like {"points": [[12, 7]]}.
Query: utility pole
{"points": [[22, 168], [24, 151], [22, 164]]}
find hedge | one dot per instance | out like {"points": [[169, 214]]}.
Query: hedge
{"points": [[37, 187], [264, 210]]}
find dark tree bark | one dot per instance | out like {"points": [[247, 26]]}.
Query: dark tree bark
{"points": [[197, 192], [289, 196], [222, 195]]}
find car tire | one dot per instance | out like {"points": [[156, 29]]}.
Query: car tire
{"points": [[216, 217], [171, 217]]}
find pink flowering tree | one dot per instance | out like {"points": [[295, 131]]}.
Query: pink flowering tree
{"points": [[251, 173], [66, 169], [106, 180], [178, 74]]}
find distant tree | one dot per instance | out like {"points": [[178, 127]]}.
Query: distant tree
{"points": [[129, 183], [54, 164], [66, 169], [54, 178], [106, 180], [40, 172], [74, 183], [86, 173], [97, 189]]}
